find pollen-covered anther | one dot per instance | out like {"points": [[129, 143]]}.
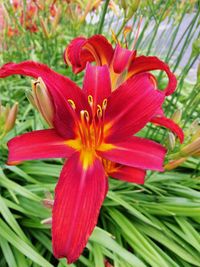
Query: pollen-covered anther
{"points": [[104, 104], [99, 111], [90, 100], [72, 104], [84, 115]]}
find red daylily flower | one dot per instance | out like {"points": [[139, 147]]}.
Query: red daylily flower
{"points": [[122, 64], [94, 129]]}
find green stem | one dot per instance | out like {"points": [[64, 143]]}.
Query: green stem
{"points": [[189, 28], [122, 26], [167, 58], [190, 105], [103, 17], [156, 28], [173, 39], [141, 35], [186, 43], [184, 74]]}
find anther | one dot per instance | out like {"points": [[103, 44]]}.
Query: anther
{"points": [[114, 37], [85, 115], [99, 111], [90, 100], [72, 104], [104, 104]]}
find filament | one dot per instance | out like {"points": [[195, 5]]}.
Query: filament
{"points": [[72, 104], [90, 130]]}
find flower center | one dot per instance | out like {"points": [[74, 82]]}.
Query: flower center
{"points": [[109, 166], [90, 128]]}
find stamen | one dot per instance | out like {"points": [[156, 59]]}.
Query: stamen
{"points": [[99, 111], [85, 115], [90, 129], [85, 128], [104, 104], [126, 30], [72, 104], [99, 132], [114, 37], [82, 115], [90, 100]]}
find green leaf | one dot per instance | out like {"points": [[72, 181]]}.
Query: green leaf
{"points": [[104, 239], [5, 182], [10, 259], [11, 220], [22, 246]]}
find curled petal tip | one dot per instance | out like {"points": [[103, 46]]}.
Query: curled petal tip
{"points": [[82, 50], [169, 124]]}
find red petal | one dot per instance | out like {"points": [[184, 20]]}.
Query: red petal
{"points": [[38, 145], [122, 58], [100, 48], [76, 56], [60, 88], [55, 82], [129, 174], [81, 50], [170, 124], [137, 152], [131, 106], [143, 64], [78, 198], [97, 83]]}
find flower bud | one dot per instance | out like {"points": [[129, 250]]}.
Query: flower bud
{"points": [[196, 133], [48, 203], [47, 221], [174, 164], [171, 141], [41, 99], [30, 97], [7, 118], [192, 148], [176, 117], [44, 28], [132, 8], [56, 19], [11, 118], [123, 4], [194, 126]]}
